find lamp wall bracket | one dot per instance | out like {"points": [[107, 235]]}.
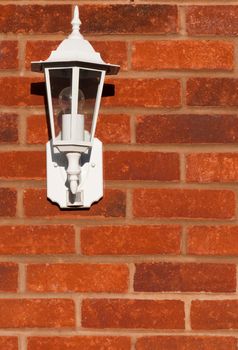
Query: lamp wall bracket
{"points": [[90, 185]]}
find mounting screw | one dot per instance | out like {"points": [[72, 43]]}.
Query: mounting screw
{"points": [[93, 165]]}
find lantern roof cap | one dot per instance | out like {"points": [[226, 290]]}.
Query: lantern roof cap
{"points": [[75, 49]]}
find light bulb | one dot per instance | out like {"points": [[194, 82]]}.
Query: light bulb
{"points": [[72, 123], [81, 101], [65, 100]]}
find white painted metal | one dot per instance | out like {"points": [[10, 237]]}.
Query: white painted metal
{"points": [[50, 105], [74, 106], [97, 104], [90, 186], [73, 171]]}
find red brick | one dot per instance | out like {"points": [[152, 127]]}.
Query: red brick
{"points": [[36, 313], [184, 203], [110, 129], [129, 19], [37, 239], [190, 128], [212, 167], [23, 165], [141, 166], [186, 343], [145, 93], [80, 342], [8, 343], [182, 54], [25, 18], [126, 313], [77, 278], [114, 128], [8, 128], [16, 91], [39, 50], [8, 201], [8, 277], [36, 204], [37, 130], [214, 314], [117, 240], [181, 277], [9, 54], [213, 240], [215, 20], [212, 92], [112, 51]]}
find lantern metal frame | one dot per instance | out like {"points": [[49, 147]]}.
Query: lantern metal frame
{"points": [[75, 81], [74, 166]]}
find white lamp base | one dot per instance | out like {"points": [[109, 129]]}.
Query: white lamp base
{"points": [[90, 188]]}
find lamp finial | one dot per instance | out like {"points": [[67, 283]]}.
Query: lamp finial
{"points": [[76, 23]]}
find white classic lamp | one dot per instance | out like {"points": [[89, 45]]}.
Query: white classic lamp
{"points": [[74, 75]]}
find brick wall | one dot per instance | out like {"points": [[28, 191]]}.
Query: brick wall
{"points": [[152, 266]]}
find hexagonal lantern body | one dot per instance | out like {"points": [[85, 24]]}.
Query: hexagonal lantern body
{"points": [[74, 75]]}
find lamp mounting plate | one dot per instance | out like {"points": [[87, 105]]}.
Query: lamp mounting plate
{"points": [[90, 188]]}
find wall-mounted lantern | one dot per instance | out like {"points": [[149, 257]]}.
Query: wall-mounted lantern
{"points": [[74, 75]]}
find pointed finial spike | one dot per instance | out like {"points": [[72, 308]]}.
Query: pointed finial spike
{"points": [[76, 12], [75, 22]]}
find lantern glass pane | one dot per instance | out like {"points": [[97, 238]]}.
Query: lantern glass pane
{"points": [[61, 94], [89, 81]]}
